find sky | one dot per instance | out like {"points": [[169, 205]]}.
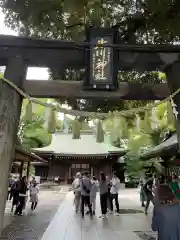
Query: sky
{"points": [[33, 72]]}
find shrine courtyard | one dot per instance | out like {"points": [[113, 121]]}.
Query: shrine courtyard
{"points": [[55, 219]]}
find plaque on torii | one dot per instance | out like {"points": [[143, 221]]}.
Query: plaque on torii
{"points": [[102, 70]]}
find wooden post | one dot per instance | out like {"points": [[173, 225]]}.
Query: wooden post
{"points": [[28, 170], [21, 170], [92, 171], [10, 109]]}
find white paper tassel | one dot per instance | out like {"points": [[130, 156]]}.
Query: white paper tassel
{"points": [[174, 108], [116, 122], [46, 117], [138, 123], [155, 119], [66, 124], [34, 107]]}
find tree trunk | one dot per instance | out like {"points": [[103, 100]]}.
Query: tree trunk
{"points": [[10, 109]]}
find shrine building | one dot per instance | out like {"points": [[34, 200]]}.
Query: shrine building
{"points": [[169, 154], [67, 156]]}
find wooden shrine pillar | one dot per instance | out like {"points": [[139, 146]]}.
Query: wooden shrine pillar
{"points": [[21, 170], [172, 70], [28, 170], [10, 109], [92, 171]]}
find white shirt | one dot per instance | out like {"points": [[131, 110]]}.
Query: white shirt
{"points": [[34, 190], [76, 185], [115, 186]]}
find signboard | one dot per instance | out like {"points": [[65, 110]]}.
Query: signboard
{"points": [[102, 70], [101, 60]]}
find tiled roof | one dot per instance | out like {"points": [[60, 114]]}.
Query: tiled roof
{"points": [[162, 147], [63, 143]]}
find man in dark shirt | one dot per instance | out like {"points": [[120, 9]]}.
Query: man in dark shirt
{"points": [[148, 192]]}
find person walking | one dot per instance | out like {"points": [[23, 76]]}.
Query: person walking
{"points": [[109, 194], [93, 194], [10, 185], [142, 194], [86, 186], [76, 186], [22, 190], [148, 188], [15, 195], [114, 193], [34, 191], [103, 186]]}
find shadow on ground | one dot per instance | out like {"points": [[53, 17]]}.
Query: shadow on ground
{"points": [[146, 235]]}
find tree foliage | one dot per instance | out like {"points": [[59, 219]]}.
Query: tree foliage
{"points": [[33, 134], [139, 21]]}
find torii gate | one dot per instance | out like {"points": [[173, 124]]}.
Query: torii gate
{"points": [[17, 53]]}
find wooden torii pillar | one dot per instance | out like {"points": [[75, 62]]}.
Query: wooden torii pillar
{"points": [[172, 70], [10, 109]]}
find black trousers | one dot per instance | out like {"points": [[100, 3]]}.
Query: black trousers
{"points": [[10, 195], [33, 205], [103, 202], [115, 197], [149, 198], [85, 200], [21, 203]]}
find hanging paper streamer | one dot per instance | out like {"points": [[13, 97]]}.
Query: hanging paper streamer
{"points": [[146, 123], [76, 129], [116, 122], [170, 114], [124, 127], [114, 134], [66, 124], [46, 117], [174, 107], [34, 107], [138, 120], [155, 119], [52, 121], [99, 132], [28, 112], [158, 166]]}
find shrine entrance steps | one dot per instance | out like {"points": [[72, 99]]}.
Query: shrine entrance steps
{"points": [[132, 224]]}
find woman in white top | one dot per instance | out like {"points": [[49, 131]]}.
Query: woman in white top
{"points": [[76, 186], [34, 191], [94, 190]]}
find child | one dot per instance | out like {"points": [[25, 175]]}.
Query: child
{"points": [[93, 194], [34, 190]]}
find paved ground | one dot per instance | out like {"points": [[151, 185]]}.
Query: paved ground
{"points": [[55, 219], [33, 225], [129, 226]]}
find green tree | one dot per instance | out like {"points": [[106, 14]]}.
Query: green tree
{"points": [[33, 133], [68, 20]]}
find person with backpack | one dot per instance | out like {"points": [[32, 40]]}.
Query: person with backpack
{"points": [[86, 186]]}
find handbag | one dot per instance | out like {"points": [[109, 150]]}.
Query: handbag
{"points": [[85, 188]]}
